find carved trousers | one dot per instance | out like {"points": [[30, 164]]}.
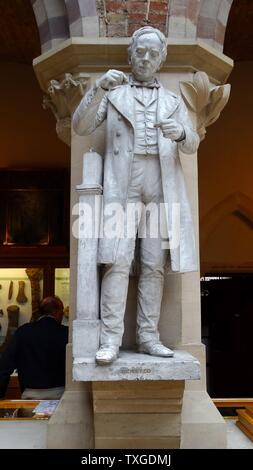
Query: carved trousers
{"points": [[145, 188]]}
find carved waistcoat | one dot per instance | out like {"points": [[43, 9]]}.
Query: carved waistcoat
{"points": [[146, 141]]}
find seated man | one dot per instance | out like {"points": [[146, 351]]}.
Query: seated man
{"points": [[37, 351]]}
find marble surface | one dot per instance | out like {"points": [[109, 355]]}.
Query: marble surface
{"points": [[134, 366]]}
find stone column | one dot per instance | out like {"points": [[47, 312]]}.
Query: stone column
{"points": [[202, 426]]}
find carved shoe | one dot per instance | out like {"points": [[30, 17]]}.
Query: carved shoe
{"points": [[155, 349], [106, 354]]}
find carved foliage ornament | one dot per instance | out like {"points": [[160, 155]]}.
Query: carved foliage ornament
{"points": [[205, 100], [62, 98]]}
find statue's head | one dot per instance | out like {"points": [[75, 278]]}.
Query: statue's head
{"points": [[147, 51]]}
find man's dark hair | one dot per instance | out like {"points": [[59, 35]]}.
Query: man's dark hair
{"points": [[50, 305]]}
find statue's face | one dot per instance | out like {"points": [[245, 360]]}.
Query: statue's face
{"points": [[146, 57]]}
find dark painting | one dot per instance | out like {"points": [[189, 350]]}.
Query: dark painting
{"points": [[27, 218]]}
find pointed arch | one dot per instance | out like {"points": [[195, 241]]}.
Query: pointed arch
{"points": [[82, 17], [212, 21], [236, 203], [183, 18], [52, 21]]}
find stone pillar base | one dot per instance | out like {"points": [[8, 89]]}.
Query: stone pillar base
{"points": [[202, 425], [137, 415], [69, 427]]}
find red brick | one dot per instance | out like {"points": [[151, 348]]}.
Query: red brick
{"points": [[156, 18], [132, 27], [157, 7], [115, 5], [139, 7], [135, 17]]}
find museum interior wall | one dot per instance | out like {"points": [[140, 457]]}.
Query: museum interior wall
{"points": [[225, 181], [28, 138]]}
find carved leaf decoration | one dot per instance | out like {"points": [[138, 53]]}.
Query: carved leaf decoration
{"points": [[202, 85], [201, 132], [219, 99], [189, 94]]}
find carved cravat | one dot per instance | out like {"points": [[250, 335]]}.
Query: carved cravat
{"points": [[151, 84]]}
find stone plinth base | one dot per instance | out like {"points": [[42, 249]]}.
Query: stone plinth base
{"points": [[203, 427], [133, 366], [138, 414], [71, 426]]}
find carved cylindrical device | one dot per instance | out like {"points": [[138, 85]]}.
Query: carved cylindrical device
{"points": [[92, 169]]}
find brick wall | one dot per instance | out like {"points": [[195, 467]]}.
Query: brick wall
{"points": [[123, 17]]}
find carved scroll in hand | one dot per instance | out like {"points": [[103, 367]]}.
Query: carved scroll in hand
{"points": [[205, 100]]}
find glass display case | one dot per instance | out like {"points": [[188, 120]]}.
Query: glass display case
{"points": [[61, 289], [21, 290]]}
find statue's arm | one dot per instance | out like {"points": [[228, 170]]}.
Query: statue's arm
{"points": [[91, 112], [190, 139]]}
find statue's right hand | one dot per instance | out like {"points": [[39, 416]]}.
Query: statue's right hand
{"points": [[111, 79]]}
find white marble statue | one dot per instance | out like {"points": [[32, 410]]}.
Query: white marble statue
{"points": [[146, 126]]}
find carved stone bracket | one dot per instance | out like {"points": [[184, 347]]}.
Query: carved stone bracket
{"points": [[205, 100], [62, 98]]}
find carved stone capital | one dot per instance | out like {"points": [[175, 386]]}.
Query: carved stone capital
{"points": [[204, 100], [62, 98]]}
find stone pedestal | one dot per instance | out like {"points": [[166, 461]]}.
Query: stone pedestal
{"points": [[138, 415], [73, 65], [137, 400]]}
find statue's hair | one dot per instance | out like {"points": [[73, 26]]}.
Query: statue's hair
{"points": [[148, 30]]}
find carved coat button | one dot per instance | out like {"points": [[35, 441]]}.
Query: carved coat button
{"points": [[118, 133], [119, 117], [116, 152]]}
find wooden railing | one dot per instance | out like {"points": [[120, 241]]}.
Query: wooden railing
{"points": [[233, 402], [244, 410]]}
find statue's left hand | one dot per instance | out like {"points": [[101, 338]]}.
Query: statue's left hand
{"points": [[171, 129]]}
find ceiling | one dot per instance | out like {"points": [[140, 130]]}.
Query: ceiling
{"points": [[19, 37], [239, 34]]}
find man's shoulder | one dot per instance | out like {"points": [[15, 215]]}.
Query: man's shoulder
{"points": [[25, 327], [24, 330]]}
